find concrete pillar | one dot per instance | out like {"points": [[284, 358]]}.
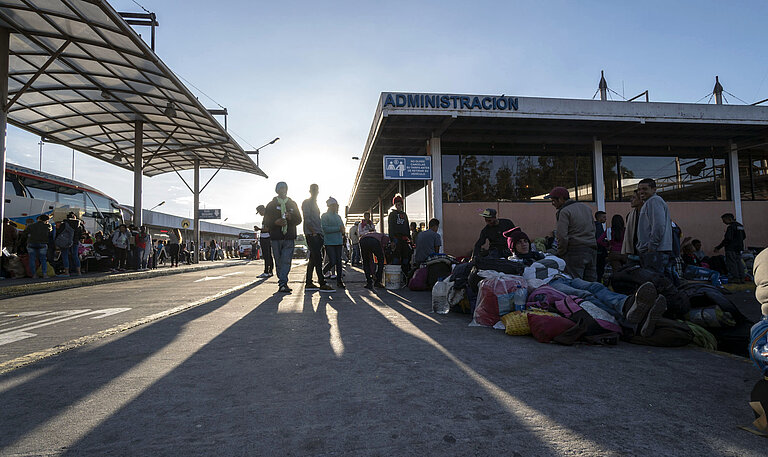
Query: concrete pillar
{"points": [[381, 215], [436, 197], [598, 184], [733, 168], [196, 193], [138, 168], [5, 36]]}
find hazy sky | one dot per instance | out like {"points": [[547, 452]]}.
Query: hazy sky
{"points": [[311, 73]]}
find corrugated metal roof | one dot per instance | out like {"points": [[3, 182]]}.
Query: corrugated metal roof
{"points": [[80, 76]]}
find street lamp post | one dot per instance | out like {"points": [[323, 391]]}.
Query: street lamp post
{"points": [[159, 204], [260, 148]]}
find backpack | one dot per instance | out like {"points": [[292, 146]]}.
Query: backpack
{"points": [[65, 239], [419, 280]]}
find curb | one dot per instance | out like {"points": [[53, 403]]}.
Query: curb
{"points": [[40, 287]]}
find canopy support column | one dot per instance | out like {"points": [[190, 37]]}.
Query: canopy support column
{"points": [[435, 151], [598, 184], [5, 36], [196, 193], [138, 168], [381, 216], [733, 168]]}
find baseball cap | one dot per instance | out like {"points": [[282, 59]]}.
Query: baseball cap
{"points": [[331, 201], [559, 192], [489, 212]]}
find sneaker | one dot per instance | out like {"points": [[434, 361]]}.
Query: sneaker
{"points": [[340, 285], [644, 299], [264, 275], [311, 286], [289, 289], [327, 288], [378, 285], [658, 310], [284, 289], [368, 286]]}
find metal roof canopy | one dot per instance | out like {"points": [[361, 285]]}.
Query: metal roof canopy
{"points": [[80, 76], [75, 73], [565, 124]]}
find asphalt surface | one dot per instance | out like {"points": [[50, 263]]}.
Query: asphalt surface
{"points": [[357, 372]]}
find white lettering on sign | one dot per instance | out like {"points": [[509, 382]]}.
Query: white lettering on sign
{"points": [[21, 330]]}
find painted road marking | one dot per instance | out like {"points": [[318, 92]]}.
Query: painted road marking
{"points": [[21, 332], [211, 278]]}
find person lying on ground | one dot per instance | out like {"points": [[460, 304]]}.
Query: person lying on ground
{"points": [[521, 247]]}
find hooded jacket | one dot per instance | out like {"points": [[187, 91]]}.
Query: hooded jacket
{"points": [[654, 226], [575, 227], [273, 212]]}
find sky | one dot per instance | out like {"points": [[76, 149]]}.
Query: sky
{"points": [[311, 73]]}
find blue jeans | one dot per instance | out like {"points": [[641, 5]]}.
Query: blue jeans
{"points": [[334, 256], [660, 262], [38, 251], [71, 252], [143, 257], [695, 273], [594, 292], [283, 253]]}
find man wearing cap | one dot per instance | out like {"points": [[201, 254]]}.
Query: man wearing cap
{"points": [[265, 243], [281, 217], [400, 234], [493, 232], [333, 235], [575, 233]]}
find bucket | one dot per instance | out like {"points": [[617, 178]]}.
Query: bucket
{"points": [[393, 277]]}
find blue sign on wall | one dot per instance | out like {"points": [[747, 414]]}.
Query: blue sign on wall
{"points": [[408, 167]]}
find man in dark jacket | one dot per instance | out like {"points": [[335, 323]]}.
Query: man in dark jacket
{"points": [[493, 233], [281, 217], [733, 242], [400, 235]]}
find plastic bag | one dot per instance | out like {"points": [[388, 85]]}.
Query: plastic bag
{"points": [[489, 308], [440, 297]]}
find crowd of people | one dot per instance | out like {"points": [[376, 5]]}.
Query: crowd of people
{"points": [[44, 249]]}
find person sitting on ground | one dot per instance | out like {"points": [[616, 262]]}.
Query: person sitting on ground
{"points": [[520, 245], [428, 243], [493, 233], [701, 257], [694, 271]]}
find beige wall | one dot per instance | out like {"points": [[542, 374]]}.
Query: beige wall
{"points": [[462, 224]]}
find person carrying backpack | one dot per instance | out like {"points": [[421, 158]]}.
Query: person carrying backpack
{"points": [[68, 236]]}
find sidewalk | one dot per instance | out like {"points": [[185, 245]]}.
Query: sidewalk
{"points": [[26, 286], [361, 372]]}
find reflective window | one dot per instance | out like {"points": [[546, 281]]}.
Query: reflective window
{"points": [[515, 177], [753, 175], [71, 197], [678, 177]]}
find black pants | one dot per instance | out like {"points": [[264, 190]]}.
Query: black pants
{"points": [[735, 267], [173, 248], [370, 247], [402, 254], [266, 250], [120, 256], [315, 245]]}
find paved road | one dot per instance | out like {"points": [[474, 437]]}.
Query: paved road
{"points": [[362, 373]]}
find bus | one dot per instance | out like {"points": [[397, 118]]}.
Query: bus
{"points": [[30, 193], [245, 242]]}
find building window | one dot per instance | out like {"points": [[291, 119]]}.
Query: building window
{"points": [[468, 178], [683, 177], [753, 175]]}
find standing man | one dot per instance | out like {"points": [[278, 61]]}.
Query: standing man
{"points": [[313, 232], [333, 236], [281, 216], [575, 233], [428, 242], [734, 244], [266, 244], [602, 252], [400, 235], [654, 230], [493, 232], [354, 238]]}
